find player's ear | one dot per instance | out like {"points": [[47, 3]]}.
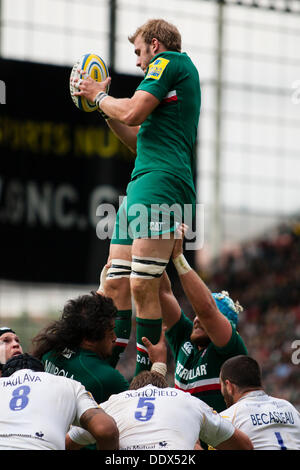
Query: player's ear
{"points": [[155, 45], [230, 386]]}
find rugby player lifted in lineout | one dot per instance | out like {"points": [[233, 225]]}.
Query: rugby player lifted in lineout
{"points": [[158, 124]]}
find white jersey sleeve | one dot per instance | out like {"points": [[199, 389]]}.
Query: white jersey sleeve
{"points": [[214, 429], [81, 436], [83, 400]]}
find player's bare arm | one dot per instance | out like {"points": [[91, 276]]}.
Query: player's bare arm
{"points": [[103, 427], [238, 441], [216, 325], [126, 134], [130, 111], [170, 307]]}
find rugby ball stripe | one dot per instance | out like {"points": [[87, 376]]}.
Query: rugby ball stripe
{"points": [[95, 67]]}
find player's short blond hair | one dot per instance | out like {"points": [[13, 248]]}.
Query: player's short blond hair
{"points": [[146, 377], [160, 29]]}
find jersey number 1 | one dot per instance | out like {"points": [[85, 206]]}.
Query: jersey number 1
{"points": [[280, 441]]}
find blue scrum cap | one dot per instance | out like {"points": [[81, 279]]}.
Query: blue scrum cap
{"points": [[227, 306]]}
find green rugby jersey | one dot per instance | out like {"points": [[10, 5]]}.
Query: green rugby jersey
{"points": [[197, 372], [166, 139], [98, 377]]}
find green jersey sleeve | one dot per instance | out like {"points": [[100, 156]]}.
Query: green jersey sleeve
{"points": [[160, 77], [235, 345], [179, 333]]}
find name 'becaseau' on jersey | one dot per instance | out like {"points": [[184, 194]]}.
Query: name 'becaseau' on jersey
{"points": [[271, 423]]}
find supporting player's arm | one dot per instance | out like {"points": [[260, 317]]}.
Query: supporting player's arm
{"points": [[238, 441], [216, 325], [170, 307], [102, 427]]}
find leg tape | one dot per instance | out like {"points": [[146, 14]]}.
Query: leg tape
{"points": [[119, 268], [147, 268]]}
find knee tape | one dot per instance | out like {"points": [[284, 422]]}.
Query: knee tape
{"points": [[147, 268], [119, 268]]}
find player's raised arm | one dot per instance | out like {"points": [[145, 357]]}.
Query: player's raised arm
{"points": [[170, 307], [216, 325]]}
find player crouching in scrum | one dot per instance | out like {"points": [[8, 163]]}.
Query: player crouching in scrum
{"points": [[153, 416]]}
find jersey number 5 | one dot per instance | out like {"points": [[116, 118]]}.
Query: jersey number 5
{"points": [[148, 411]]}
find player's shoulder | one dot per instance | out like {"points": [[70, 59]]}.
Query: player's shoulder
{"points": [[175, 55], [169, 58], [231, 411], [282, 403], [196, 402], [116, 397], [90, 361], [59, 381]]}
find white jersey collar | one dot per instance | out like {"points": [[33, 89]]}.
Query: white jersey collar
{"points": [[254, 393]]}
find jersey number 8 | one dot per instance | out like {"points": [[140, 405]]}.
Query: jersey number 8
{"points": [[20, 398]]}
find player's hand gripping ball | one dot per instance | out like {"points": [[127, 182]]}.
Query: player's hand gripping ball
{"points": [[89, 65]]}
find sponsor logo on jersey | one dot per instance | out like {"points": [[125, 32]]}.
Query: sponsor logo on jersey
{"points": [[151, 392], [190, 374], [163, 443], [187, 348], [156, 226], [156, 68], [67, 353], [140, 358]]}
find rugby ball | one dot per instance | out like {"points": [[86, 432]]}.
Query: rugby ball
{"points": [[95, 67]]}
